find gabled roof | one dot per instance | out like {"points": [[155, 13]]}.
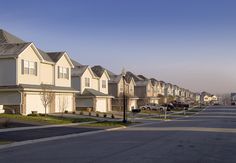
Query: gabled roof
{"points": [[130, 74], [13, 49], [75, 63], [154, 81], [79, 70], [93, 92], [142, 77], [6, 37], [115, 79], [99, 71], [55, 56]]}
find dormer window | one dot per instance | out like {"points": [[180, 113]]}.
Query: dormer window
{"points": [[104, 84], [63, 73], [87, 82], [29, 68]]}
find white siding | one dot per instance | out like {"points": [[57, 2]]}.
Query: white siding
{"points": [[7, 72], [47, 74], [86, 74], [62, 82], [29, 55], [104, 90]]}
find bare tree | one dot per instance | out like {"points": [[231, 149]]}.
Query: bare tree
{"points": [[47, 97], [63, 104]]}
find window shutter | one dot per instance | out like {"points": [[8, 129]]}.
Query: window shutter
{"points": [[22, 66], [67, 73], [58, 72], [35, 69]]}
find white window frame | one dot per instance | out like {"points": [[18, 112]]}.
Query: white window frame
{"points": [[29, 67], [63, 72], [104, 84], [87, 82]]}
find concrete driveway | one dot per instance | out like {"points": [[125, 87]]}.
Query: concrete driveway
{"points": [[210, 136]]}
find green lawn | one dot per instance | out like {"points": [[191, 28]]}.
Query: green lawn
{"points": [[3, 142], [150, 111], [108, 124], [45, 119]]}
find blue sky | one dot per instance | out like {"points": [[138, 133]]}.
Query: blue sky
{"points": [[190, 43]]}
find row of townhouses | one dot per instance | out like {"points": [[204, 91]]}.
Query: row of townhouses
{"points": [[33, 80]]}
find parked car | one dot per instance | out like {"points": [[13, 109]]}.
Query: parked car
{"points": [[180, 105], [152, 106], [169, 106]]}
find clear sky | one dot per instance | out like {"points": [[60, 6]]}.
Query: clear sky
{"points": [[191, 43]]}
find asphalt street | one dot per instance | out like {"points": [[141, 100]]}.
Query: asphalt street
{"points": [[209, 136]]}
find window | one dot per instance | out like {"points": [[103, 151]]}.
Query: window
{"points": [[121, 88], [131, 89], [87, 82], [29, 67], [63, 73], [104, 84]]}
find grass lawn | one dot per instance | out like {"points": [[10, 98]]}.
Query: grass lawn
{"points": [[44, 119], [150, 111], [3, 142], [108, 124]]}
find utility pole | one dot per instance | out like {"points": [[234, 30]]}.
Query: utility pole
{"points": [[124, 97]]}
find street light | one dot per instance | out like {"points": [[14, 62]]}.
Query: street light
{"points": [[124, 97]]}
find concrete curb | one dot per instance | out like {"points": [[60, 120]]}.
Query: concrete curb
{"points": [[16, 144]]}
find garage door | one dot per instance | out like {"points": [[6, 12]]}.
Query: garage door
{"points": [[84, 102], [101, 105], [10, 98], [133, 104]]}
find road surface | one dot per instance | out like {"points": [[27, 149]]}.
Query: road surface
{"points": [[209, 136]]}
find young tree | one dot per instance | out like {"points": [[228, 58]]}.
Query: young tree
{"points": [[63, 103], [47, 97]]}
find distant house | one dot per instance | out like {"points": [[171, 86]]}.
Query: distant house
{"points": [[233, 98], [144, 89], [208, 98], [27, 74], [93, 87], [120, 86]]}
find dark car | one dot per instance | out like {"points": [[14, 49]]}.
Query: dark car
{"points": [[169, 106], [180, 105]]}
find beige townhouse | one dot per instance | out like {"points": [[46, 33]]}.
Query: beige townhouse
{"points": [[120, 85], [144, 89], [29, 76], [92, 83]]}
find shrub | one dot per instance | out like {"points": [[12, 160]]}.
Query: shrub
{"points": [[66, 111], [6, 123], [33, 115], [90, 114], [97, 115], [73, 112], [81, 113], [112, 116], [104, 115]]}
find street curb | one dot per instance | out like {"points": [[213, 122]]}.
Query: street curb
{"points": [[27, 142], [44, 126]]}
